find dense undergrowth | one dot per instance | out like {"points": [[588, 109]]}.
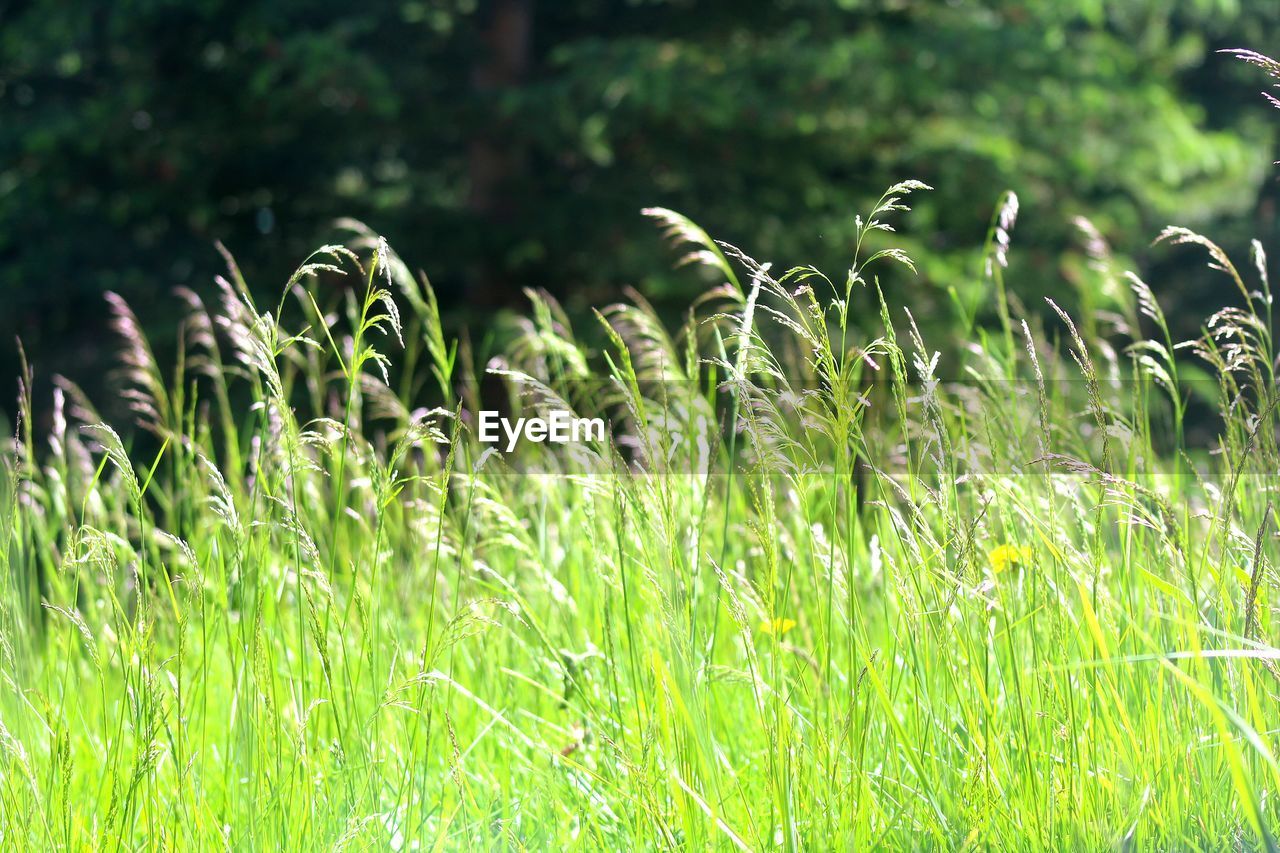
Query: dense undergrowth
{"points": [[821, 588]]}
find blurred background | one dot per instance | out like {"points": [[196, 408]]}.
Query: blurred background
{"points": [[503, 144]]}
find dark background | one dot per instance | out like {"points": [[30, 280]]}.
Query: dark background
{"points": [[506, 144]]}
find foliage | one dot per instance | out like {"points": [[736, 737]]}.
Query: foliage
{"points": [[512, 143]]}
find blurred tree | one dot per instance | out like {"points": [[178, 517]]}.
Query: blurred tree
{"points": [[512, 143]]}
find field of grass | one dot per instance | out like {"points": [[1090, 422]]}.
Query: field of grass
{"points": [[823, 587]]}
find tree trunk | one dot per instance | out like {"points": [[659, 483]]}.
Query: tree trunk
{"points": [[495, 157]]}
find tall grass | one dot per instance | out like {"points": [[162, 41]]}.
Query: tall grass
{"points": [[823, 587]]}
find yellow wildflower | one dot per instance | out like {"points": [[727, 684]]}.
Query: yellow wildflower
{"points": [[1006, 555], [777, 627]]}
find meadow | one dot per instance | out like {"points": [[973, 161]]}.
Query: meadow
{"points": [[823, 585]]}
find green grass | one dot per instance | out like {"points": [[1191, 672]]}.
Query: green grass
{"points": [[303, 614]]}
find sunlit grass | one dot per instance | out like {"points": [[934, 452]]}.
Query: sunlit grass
{"points": [[823, 588]]}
